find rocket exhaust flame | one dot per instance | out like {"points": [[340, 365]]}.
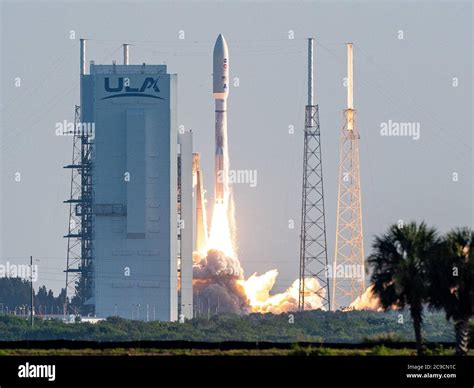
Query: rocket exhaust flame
{"points": [[220, 237]]}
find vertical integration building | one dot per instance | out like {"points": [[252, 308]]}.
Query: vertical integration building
{"points": [[141, 221]]}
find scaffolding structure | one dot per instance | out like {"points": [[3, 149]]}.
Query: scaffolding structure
{"points": [[313, 245], [79, 236]]}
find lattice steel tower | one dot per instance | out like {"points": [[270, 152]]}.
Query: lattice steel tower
{"points": [[79, 281], [313, 248], [79, 237], [74, 229], [348, 270]]}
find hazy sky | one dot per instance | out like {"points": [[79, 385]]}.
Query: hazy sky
{"points": [[409, 80]]}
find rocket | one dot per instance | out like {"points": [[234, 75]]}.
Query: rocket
{"points": [[221, 92]]}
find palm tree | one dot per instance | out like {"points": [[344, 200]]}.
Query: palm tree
{"points": [[398, 265], [451, 288]]}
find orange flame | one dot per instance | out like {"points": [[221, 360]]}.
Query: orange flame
{"points": [[220, 236]]}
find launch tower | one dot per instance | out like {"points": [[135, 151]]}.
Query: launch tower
{"points": [[348, 280], [313, 249]]}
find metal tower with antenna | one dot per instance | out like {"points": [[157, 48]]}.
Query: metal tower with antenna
{"points": [[313, 247], [79, 247], [348, 269]]}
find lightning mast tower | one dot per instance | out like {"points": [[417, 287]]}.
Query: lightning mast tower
{"points": [[349, 247], [313, 247]]}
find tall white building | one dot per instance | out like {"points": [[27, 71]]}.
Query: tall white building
{"points": [[142, 226]]}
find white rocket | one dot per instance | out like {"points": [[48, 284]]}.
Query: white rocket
{"points": [[221, 92]]}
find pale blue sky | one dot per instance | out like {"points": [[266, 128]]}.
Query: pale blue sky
{"points": [[409, 80]]}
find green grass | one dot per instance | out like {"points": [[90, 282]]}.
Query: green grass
{"points": [[379, 350]]}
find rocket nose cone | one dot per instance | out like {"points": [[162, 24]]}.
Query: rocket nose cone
{"points": [[220, 39], [221, 45], [221, 68]]}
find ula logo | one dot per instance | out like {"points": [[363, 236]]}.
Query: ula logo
{"points": [[123, 88]]}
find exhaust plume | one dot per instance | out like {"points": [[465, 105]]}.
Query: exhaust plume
{"points": [[367, 301]]}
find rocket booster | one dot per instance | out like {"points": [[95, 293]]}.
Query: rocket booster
{"points": [[221, 91]]}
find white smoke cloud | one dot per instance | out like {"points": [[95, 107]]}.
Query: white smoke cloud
{"points": [[367, 301], [216, 284], [258, 289]]}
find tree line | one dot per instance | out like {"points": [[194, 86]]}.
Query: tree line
{"points": [[302, 326], [15, 298]]}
